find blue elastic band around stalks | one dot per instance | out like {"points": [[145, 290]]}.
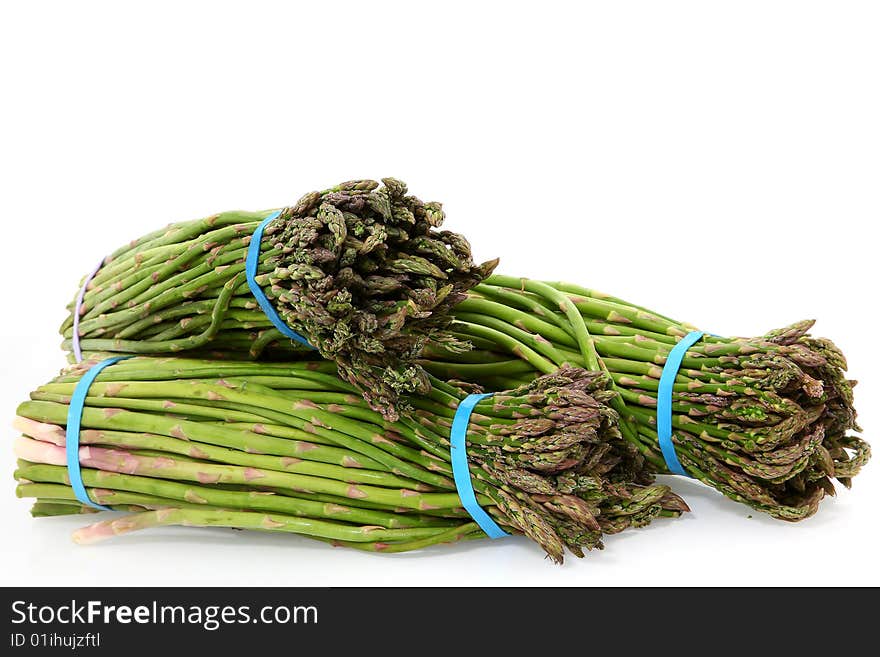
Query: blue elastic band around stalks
{"points": [[664, 401], [250, 270], [74, 421], [460, 472]]}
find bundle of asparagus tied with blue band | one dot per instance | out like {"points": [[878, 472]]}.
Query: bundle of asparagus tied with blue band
{"points": [[765, 420], [360, 271], [294, 448]]}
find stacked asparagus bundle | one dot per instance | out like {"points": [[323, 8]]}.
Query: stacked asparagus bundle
{"points": [[293, 448], [358, 270], [409, 322], [765, 420]]}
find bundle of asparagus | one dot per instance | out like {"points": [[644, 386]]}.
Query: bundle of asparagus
{"points": [[358, 270], [765, 420], [293, 448]]}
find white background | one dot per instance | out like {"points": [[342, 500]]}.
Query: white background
{"points": [[716, 161]]}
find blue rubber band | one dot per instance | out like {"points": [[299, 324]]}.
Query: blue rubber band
{"points": [[74, 421], [250, 269], [460, 472], [664, 401]]}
